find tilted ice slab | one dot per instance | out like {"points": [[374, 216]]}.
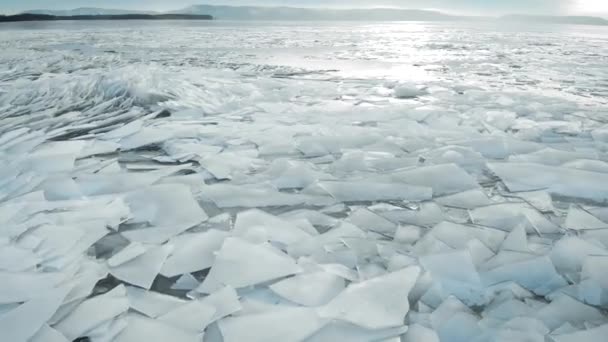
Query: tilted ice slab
{"points": [[444, 179], [23, 322], [229, 196], [140, 328], [236, 264], [289, 324], [254, 222], [566, 182], [310, 289], [192, 252], [376, 303]]}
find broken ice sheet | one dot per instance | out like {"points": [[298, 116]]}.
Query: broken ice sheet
{"points": [[193, 252], [314, 217], [280, 325], [570, 252], [192, 316], [286, 174], [225, 301], [455, 266], [166, 205], [145, 137], [93, 312], [363, 218], [150, 303], [274, 228], [317, 243], [537, 275], [143, 269], [343, 331], [565, 182], [597, 334], [460, 327], [469, 199], [566, 309], [48, 334], [358, 191], [22, 323], [245, 196], [506, 216], [310, 289], [420, 333], [240, 263], [132, 251], [260, 300], [444, 179], [427, 214], [23, 286], [140, 328], [14, 258], [457, 236], [380, 302], [580, 219]]}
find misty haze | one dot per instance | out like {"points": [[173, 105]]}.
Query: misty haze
{"points": [[304, 171]]}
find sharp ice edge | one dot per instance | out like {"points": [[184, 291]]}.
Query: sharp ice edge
{"points": [[344, 205]]}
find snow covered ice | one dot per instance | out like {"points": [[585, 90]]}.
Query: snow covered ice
{"points": [[296, 182]]}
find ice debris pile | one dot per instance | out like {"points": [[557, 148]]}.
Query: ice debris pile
{"points": [[142, 203]]}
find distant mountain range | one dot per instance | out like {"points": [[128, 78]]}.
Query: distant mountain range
{"points": [[46, 17], [293, 13], [88, 11]]}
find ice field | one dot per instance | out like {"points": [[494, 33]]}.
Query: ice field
{"points": [[285, 182]]}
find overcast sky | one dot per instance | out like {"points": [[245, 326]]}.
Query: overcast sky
{"points": [[582, 7]]}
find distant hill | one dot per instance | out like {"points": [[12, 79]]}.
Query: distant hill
{"points": [[573, 20], [88, 11], [294, 13], [45, 17]]}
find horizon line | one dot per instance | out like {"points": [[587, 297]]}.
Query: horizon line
{"points": [[435, 10]]}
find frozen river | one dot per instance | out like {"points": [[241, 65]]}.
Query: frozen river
{"points": [[284, 182]]}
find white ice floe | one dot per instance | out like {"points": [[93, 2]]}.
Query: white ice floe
{"points": [[367, 191], [48, 334], [193, 252], [23, 322], [310, 289], [579, 219], [140, 328], [229, 196], [597, 334], [380, 302], [143, 269], [506, 216], [236, 264], [150, 303], [408, 91], [192, 316], [566, 182], [93, 312], [275, 228], [289, 324], [170, 208], [339, 330]]}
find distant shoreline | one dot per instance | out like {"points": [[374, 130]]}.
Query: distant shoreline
{"points": [[44, 17]]}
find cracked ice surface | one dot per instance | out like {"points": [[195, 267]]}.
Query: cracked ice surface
{"points": [[294, 182]]}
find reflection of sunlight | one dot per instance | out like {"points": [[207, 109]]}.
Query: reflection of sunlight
{"points": [[591, 6]]}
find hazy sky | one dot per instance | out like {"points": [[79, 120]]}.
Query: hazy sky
{"points": [[583, 7]]}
